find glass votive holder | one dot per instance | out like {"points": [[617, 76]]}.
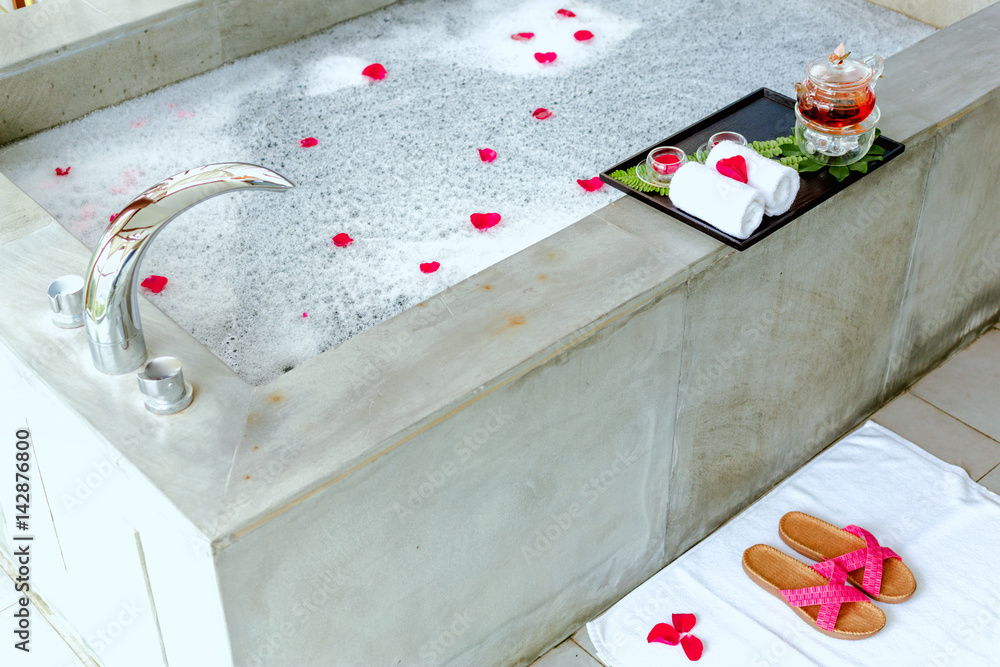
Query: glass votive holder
{"points": [[718, 137], [663, 162]]}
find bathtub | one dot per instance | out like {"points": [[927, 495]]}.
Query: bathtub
{"points": [[471, 480]]}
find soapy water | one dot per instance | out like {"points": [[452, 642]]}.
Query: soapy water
{"points": [[397, 166]]}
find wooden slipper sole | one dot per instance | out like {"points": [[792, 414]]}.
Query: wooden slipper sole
{"points": [[819, 540], [775, 571]]}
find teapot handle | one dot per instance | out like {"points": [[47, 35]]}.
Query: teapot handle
{"points": [[877, 64]]}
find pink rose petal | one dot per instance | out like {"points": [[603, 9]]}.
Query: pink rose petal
{"points": [[683, 622], [483, 221], [342, 240], [487, 154], [430, 267], [545, 58], [308, 141], [663, 633], [565, 13], [592, 185], [305, 314], [522, 36], [375, 71], [63, 172], [734, 167], [112, 218], [154, 284], [693, 648], [541, 113], [583, 35]]}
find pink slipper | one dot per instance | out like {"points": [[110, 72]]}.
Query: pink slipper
{"points": [[875, 569]]}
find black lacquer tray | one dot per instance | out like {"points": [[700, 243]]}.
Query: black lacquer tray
{"points": [[760, 116]]}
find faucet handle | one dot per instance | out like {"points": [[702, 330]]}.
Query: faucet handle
{"points": [[162, 383], [66, 301]]}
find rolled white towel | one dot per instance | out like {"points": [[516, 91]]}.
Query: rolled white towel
{"points": [[722, 202], [779, 184]]}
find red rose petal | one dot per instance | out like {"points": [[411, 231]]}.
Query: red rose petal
{"points": [[664, 633], [693, 648], [154, 284], [375, 71], [565, 13], [63, 172], [308, 141], [541, 114], [342, 240], [483, 221], [522, 36], [487, 154], [683, 622], [734, 167], [583, 35], [112, 218], [430, 267], [305, 314], [547, 57], [592, 185]]}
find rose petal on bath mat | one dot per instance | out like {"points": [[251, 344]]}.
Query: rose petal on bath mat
{"points": [[591, 185], [308, 141], [483, 221], [683, 622], [522, 36], [154, 284], [112, 218], [541, 114], [375, 71], [487, 154], [305, 314], [565, 13], [342, 240], [430, 267], [545, 58], [583, 35], [693, 648], [63, 172], [663, 633], [734, 167]]}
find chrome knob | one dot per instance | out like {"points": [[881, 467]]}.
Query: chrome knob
{"points": [[162, 383]]}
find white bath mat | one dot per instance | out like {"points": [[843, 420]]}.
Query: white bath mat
{"points": [[945, 527]]}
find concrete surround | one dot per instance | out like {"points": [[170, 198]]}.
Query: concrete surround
{"points": [[938, 13], [471, 480]]}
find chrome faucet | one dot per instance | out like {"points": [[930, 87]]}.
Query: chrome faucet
{"points": [[111, 309]]}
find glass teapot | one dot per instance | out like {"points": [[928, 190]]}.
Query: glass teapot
{"points": [[839, 90]]}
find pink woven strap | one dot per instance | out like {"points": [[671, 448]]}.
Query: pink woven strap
{"points": [[869, 557], [829, 597]]}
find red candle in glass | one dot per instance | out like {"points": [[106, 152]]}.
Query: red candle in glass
{"points": [[666, 164]]}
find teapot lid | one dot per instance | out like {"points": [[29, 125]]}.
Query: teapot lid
{"points": [[839, 71]]}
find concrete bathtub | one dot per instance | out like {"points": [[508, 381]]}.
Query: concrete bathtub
{"points": [[471, 480]]}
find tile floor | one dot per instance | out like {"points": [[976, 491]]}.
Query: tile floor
{"points": [[952, 412]]}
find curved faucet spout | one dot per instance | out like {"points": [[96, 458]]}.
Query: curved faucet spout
{"points": [[111, 310]]}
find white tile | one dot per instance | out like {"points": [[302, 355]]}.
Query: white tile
{"points": [[967, 386], [582, 637], [567, 654], [992, 480], [940, 434]]}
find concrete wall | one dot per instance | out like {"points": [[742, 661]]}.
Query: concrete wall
{"points": [[62, 59], [938, 13]]}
